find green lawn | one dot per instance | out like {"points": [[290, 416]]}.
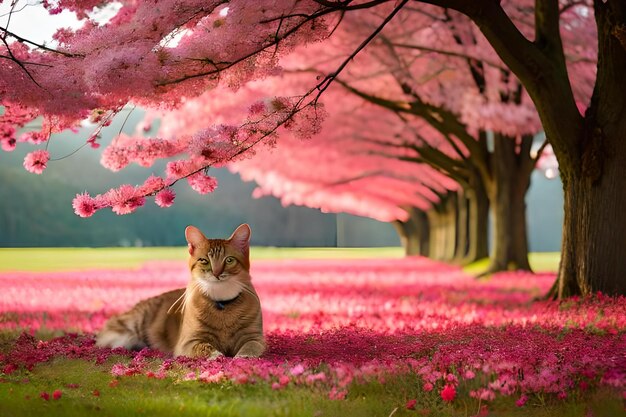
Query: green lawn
{"points": [[539, 262], [53, 259], [142, 396]]}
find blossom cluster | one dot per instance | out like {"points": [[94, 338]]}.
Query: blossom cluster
{"points": [[334, 322], [156, 57], [210, 147]]}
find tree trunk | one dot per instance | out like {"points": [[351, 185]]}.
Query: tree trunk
{"points": [[478, 243], [462, 226], [450, 209], [593, 255], [408, 238], [440, 230], [420, 220], [436, 241], [507, 192], [414, 233]]}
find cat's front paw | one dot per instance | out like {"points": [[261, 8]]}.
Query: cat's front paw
{"points": [[251, 349], [205, 350], [216, 354]]}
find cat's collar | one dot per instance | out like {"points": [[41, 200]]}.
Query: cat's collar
{"points": [[221, 305]]}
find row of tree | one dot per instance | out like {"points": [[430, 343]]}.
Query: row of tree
{"points": [[419, 87]]}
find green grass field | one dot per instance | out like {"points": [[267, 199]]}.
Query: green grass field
{"points": [[142, 396], [56, 259]]}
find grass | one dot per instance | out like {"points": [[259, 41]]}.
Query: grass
{"points": [[539, 262], [59, 259], [142, 396]]}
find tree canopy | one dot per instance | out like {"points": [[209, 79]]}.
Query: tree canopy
{"points": [[161, 55]]}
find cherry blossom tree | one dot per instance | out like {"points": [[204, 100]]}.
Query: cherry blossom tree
{"points": [[455, 85], [161, 54]]}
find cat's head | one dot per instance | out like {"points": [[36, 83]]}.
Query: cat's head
{"points": [[215, 261]]}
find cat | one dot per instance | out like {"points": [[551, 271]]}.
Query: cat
{"points": [[218, 313]]}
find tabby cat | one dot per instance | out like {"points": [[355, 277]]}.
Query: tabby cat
{"points": [[218, 313]]}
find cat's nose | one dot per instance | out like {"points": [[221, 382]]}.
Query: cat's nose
{"points": [[217, 271]]}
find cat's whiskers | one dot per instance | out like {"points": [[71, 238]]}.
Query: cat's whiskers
{"points": [[248, 290], [169, 310], [188, 294]]}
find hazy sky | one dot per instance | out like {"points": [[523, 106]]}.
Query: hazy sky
{"points": [[33, 22]]}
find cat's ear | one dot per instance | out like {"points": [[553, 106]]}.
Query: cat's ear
{"points": [[194, 238], [241, 238]]}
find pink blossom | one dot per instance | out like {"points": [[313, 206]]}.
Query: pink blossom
{"points": [[92, 142], [410, 405], [35, 138], [45, 396], [57, 394], [124, 200], [521, 401], [36, 161], [448, 393], [8, 144], [201, 183], [320, 376], [165, 197], [151, 185], [9, 369], [337, 394], [84, 205], [469, 374], [297, 370], [216, 377], [257, 108], [7, 137], [428, 387]]}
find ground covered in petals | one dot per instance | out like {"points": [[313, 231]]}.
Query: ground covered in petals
{"points": [[420, 336]]}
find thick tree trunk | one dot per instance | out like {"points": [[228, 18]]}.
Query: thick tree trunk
{"points": [[507, 192], [442, 220], [478, 243], [450, 212], [593, 256], [462, 227], [408, 238], [437, 237], [420, 220], [414, 233]]}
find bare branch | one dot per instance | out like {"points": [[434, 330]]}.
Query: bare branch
{"points": [[20, 64], [329, 78], [449, 53], [540, 152], [45, 48]]}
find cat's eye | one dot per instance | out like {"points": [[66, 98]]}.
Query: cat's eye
{"points": [[203, 261], [230, 260]]}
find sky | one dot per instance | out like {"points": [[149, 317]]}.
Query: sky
{"points": [[32, 21]]}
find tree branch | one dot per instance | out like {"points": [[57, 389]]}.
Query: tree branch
{"points": [[547, 33], [449, 53], [45, 48], [366, 41]]}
